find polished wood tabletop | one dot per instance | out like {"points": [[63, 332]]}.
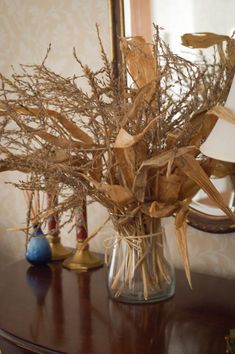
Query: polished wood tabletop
{"points": [[54, 310]]}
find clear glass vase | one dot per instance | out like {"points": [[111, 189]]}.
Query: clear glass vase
{"points": [[140, 269]]}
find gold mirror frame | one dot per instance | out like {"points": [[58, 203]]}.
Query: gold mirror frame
{"points": [[141, 8]]}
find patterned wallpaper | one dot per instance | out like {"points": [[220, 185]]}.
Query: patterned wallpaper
{"points": [[26, 29]]}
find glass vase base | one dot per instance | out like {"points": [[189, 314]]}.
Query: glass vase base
{"points": [[140, 269], [135, 298]]}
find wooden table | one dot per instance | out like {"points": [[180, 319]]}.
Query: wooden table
{"points": [[54, 310]]}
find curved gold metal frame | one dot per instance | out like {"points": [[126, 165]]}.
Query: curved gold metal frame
{"points": [[210, 223]]}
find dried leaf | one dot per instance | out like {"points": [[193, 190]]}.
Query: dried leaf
{"points": [[231, 53], [181, 215], [221, 169], [129, 215], [141, 151], [139, 185], [191, 167], [144, 96], [202, 124], [168, 188], [223, 113], [158, 161], [125, 140], [53, 140], [181, 237], [97, 166], [71, 127], [164, 157], [125, 154], [202, 39], [58, 156], [159, 210], [139, 58], [9, 165], [118, 194], [188, 187], [126, 162], [172, 137]]}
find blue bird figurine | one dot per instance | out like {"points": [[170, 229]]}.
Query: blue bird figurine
{"points": [[38, 249]]}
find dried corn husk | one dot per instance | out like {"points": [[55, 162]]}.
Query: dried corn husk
{"points": [[97, 169], [202, 124], [126, 140], [202, 39], [168, 188], [181, 237], [223, 113], [49, 138], [161, 160], [144, 96], [221, 169], [117, 193], [231, 54], [159, 210], [59, 156], [139, 58], [71, 127], [192, 169], [126, 162]]}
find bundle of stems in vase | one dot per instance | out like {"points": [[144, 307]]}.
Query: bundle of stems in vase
{"points": [[132, 144]]}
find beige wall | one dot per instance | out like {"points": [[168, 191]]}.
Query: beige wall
{"points": [[209, 253], [26, 29]]}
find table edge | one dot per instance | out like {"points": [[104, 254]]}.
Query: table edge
{"points": [[38, 349]]}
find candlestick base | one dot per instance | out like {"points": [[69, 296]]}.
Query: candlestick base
{"points": [[58, 251], [83, 259]]}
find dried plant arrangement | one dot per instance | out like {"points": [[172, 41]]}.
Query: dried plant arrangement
{"points": [[134, 147]]}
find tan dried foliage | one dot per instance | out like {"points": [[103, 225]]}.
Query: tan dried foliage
{"points": [[134, 149], [140, 60], [223, 113], [202, 124], [169, 188], [203, 39]]}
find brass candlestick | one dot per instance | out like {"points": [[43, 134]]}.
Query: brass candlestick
{"points": [[83, 259], [58, 251]]}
